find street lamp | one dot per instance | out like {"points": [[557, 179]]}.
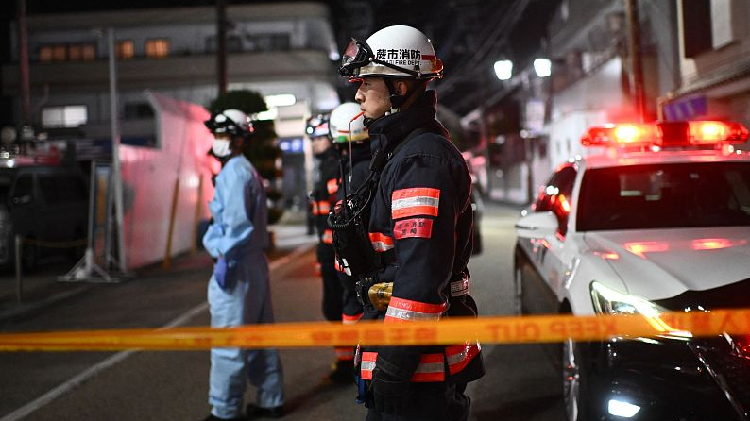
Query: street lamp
{"points": [[543, 67], [504, 69]]}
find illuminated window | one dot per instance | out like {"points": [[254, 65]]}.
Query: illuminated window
{"points": [[45, 53], [59, 52], [69, 116], [81, 52], [125, 49], [89, 51], [157, 48]]}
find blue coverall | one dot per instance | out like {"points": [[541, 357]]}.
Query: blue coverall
{"points": [[238, 234]]}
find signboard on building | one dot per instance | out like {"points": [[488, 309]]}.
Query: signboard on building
{"points": [[686, 108]]}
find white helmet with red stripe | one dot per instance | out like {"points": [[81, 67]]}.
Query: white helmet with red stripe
{"points": [[347, 124], [396, 51]]}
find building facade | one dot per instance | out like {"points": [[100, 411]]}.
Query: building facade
{"points": [[714, 62], [282, 50]]}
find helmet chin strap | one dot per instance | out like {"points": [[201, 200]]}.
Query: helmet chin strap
{"points": [[397, 101]]}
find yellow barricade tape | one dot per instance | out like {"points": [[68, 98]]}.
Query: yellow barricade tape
{"points": [[486, 330]]}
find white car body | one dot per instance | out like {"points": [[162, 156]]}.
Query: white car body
{"points": [[680, 260]]}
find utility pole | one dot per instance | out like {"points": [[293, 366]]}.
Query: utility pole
{"points": [[221, 45], [23, 63], [634, 51], [116, 171]]}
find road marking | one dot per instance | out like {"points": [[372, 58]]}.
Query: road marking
{"points": [[100, 367]]}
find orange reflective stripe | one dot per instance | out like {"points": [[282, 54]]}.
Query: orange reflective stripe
{"points": [[380, 242], [350, 319], [327, 237], [333, 185], [431, 367], [415, 201], [400, 310], [321, 207], [459, 356], [368, 364], [343, 269]]}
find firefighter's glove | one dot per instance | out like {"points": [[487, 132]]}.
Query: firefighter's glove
{"points": [[389, 392], [220, 272]]}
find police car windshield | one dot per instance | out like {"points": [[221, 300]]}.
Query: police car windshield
{"points": [[709, 194]]}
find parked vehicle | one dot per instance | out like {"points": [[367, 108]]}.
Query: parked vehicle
{"points": [[44, 204], [659, 222]]}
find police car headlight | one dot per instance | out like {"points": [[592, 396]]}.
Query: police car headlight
{"points": [[608, 301]]}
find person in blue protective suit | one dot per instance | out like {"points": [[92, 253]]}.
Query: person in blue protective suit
{"points": [[420, 228], [239, 291]]}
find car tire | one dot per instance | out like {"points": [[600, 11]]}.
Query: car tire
{"points": [[575, 381]]}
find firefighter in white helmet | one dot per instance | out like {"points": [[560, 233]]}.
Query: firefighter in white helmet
{"points": [[349, 136], [239, 292], [323, 197], [419, 228]]}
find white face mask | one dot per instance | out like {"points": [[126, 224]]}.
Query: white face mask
{"points": [[221, 148]]}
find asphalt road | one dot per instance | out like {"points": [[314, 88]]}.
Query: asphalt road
{"points": [[521, 381]]}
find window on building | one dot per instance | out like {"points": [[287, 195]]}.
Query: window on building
{"points": [[82, 51], [59, 52], [45, 53], [157, 48], [721, 23], [68, 116], [124, 50], [696, 27]]}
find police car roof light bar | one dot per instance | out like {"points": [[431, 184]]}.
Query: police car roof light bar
{"points": [[685, 133]]}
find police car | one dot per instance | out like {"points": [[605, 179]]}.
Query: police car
{"points": [[657, 219]]}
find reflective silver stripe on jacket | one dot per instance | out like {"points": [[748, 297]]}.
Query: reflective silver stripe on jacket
{"points": [[460, 287], [409, 202], [410, 315]]}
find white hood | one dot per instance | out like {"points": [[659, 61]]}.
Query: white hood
{"points": [[661, 263]]}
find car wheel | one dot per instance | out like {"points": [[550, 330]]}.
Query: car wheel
{"points": [[574, 381]]}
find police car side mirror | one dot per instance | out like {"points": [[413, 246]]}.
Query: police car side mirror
{"points": [[536, 225]]}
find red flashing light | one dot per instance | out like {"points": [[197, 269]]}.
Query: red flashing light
{"points": [[666, 134], [619, 135], [703, 132]]}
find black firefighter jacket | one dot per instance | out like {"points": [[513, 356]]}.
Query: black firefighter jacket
{"points": [[360, 169], [324, 195], [421, 210]]}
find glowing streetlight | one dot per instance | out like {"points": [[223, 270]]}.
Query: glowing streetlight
{"points": [[543, 67], [504, 69]]}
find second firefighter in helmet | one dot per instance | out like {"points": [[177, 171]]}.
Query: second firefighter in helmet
{"points": [[420, 226], [325, 189], [349, 135]]}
